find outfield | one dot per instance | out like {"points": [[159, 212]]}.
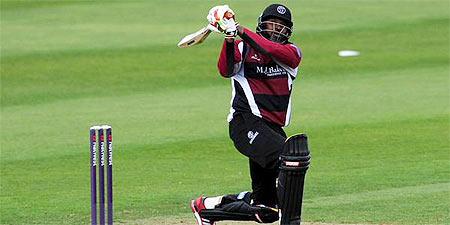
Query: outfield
{"points": [[378, 123]]}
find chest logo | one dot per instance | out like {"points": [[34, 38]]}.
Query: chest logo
{"points": [[255, 57], [271, 70]]}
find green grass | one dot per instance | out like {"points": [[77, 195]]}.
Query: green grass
{"points": [[378, 124]]}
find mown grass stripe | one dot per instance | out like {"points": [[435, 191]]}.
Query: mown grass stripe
{"points": [[385, 194]]}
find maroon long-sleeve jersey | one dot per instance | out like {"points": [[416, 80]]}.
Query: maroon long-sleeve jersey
{"points": [[262, 73]]}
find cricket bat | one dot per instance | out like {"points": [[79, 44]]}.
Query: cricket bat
{"points": [[194, 38]]}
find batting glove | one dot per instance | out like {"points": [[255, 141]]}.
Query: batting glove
{"points": [[231, 31], [221, 19]]}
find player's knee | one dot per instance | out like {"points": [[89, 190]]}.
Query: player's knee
{"points": [[266, 215], [295, 155]]}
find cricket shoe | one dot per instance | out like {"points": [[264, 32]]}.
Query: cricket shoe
{"points": [[197, 206]]}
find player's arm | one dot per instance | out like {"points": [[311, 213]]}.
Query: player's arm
{"points": [[229, 57], [285, 53], [221, 20]]}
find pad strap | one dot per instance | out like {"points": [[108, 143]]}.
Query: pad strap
{"points": [[295, 163]]}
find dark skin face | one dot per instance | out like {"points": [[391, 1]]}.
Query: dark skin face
{"points": [[240, 28], [277, 27]]}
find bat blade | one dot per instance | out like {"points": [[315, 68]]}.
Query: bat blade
{"points": [[194, 38]]}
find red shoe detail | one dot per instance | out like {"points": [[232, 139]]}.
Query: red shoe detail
{"points": [[197, 206]]}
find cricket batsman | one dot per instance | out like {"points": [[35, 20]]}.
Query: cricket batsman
{"points": [[262, 67]]}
